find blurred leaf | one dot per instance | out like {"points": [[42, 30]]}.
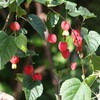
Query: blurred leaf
{"points": [[19, 2], [94, 61], [90, 80], [37, 24], [5, 3], [85, 13], [4, 87], [13, 6], [21, 12], [29, 1], [32, 89], [41, 1], [92, 40], [52, 19], [22, 31], [22, 54], [62, 74], [19, 77], [37, 41], [7, 47], [21, 42], [72, 89], [84, 31], [69, 40], [52, 3]]}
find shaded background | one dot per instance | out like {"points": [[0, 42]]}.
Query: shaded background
{"points": [[48, 56]]}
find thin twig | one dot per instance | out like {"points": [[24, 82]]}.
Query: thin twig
{"points": [[6, 22]]}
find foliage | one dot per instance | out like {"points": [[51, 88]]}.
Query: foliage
{"points": [[16, 43]]}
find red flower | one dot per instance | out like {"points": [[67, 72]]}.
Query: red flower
{"points": [[65, 25], [75, 33], [78, 41], [15, 26], [78, 49], [52, 38], [66, 53], [28, 70], [37, 76], [62, 46], [14, 60], [73, 65]]}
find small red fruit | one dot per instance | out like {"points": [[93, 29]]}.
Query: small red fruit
{"points": [[52, 38], [37, 76], [15, 26], [66, 53], [28, 70], [75, 33], [65, 25], [62, 46], [14, 60], [73, 65]]}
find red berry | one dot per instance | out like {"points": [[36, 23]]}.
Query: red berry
{"points": [[65, 25], [62, 46], [37, 76], [66, 53], [78, 41], [73, 65], [52, 38], [14, 60], [15, 26], [75, 33], [28, 70]]}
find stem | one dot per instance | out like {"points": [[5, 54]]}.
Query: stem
{"points": [[6, 22]]}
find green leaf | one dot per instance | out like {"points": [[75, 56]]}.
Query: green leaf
{"points": [[90, 80], [19, 2], [93, 41], [53, 3], [71, 7], [37, 24], [93, 61], [84, 31], [5, 3], [41, 1], [85, 13], [29, 1], [12, 7], [32, 89], [8, 47], [52, 19], [20, 12], [21, 42], [19, 77], [73, 89], [50, 3]]}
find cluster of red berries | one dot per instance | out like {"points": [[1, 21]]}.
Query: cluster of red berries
{"points": [[14, 62], [63, 46], [15, 26], [29, 70], [77, 39]]}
